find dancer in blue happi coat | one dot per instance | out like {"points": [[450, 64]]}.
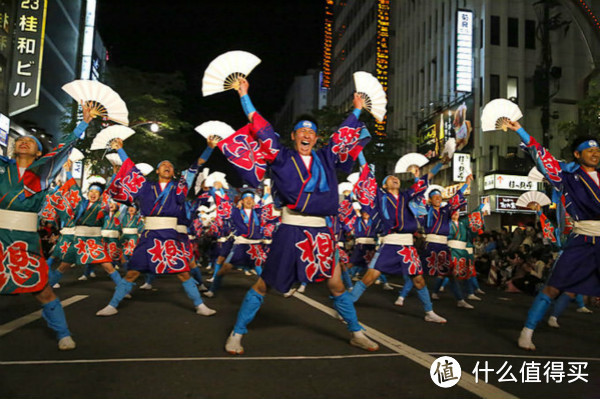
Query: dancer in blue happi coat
{"points": [[577, 269], [305, 184], [159, 249]]}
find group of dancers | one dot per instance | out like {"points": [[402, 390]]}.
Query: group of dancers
{"points": [[295, 231]]}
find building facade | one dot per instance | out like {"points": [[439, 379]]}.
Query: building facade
{"points": [[448, 58], [71, 49]]}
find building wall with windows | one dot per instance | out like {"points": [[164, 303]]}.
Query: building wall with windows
{"points": [[506, 50], [61, 64]]}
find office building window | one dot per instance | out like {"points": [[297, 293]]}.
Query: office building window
{"points": [[495, 30], [513, 32], [494, 87], [530, 34], [512, 89]]}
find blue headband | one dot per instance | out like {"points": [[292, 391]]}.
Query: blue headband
{"points": [[307, 124], [95, 187], [434, 192], [161, 162], [247, 194], [587, 144], [39, 144], [385, 180]]}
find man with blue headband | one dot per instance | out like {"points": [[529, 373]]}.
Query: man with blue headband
{"points": [[24, 183], [88, 247], [577, 269], [398, 223], [247, 248], [436, 255], [159, 249], [305, 184]]}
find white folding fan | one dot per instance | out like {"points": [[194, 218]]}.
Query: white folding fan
{"points": [[449, 148], [95, 180], [200, 180], [114, 159], [104, 139], [356, 206], [433, 187], [103, 100], [372, 91], [345, 186], [535, 175], [497, 112], [225, 70], [215, 128], [353, 178], [144, 168], [408, 160], [533, 196], [215, 177], [75, 155]]}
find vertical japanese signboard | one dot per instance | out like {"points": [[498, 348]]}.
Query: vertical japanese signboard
{"points": [[26, 72], [464, 51], [461, 166]]}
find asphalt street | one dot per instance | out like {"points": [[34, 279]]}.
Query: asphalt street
{"points": [[157, 347]]}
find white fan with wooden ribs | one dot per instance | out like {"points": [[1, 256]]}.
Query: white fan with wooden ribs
{"points": [[200, 180], [225, 70], [497, 113], [535, 175], [215, 128], [114, 159], [368, 87], [345, 186], [103, 140], [144, 168], [104, 101], [533, 196], [353, 178], [75, 155], [95, 180], [409, 160], [216, 177]]}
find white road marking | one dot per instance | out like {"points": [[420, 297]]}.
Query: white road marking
{"points": [[467, 381], [193, 359], [31, 317]]}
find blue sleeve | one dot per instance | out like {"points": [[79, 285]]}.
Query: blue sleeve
{"points": [[464, 188], [206, 153], [524, 136], [69, 175], [122, 154], [247, 105], [80, 129], [436, 168], [356, 112]]}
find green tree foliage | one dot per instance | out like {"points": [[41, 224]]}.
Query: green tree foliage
{"points": [[149, 97], [588, 123]]}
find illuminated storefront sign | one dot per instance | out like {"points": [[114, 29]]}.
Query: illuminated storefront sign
{"points": [[28, 48], [508, 182], [464, 51], [327, 44], [382, 54], [461, 166]]}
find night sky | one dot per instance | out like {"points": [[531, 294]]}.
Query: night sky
{"points": [[178, 35], [186, 35]]}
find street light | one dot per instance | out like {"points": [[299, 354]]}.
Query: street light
{"points": [[154, 125]]}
